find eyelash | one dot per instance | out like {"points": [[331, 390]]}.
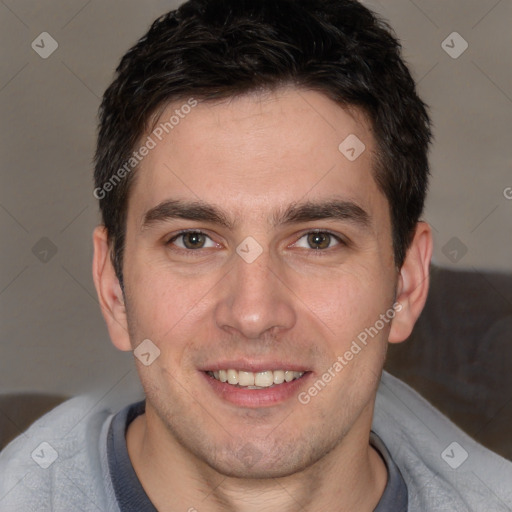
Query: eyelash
{"points": [[315, 252], [324, 252]]}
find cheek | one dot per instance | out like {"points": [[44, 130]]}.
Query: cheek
{"points": [[349, 310], [153, 309], [160, 293], [172, 311], [347, 300]]}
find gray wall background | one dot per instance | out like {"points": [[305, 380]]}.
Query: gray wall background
{"points": [[53, 338]]}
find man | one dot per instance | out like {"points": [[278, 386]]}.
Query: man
{"points": [[261, 169]]}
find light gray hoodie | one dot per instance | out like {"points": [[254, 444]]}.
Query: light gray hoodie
{"points": [[60, 463]]}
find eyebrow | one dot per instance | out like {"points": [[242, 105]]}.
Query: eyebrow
{"points": [[335, 209]]}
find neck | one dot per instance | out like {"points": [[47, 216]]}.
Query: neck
{"points": [[350, 477]]}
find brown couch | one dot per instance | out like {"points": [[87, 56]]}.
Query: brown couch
{"points": [[459, 355], [18, 411], [458, 358]]}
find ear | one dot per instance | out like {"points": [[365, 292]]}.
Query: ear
{"points": [[109, 291], [413, 283]]}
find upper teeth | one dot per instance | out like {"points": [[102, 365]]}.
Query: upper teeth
{"points": [[259, 379]]}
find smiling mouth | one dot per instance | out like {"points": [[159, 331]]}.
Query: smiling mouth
{"points": [[255, 380]]}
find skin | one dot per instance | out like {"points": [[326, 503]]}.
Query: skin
{"points": [[253, 156]]}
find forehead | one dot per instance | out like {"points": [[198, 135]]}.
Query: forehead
{"points": [[258, 152]]}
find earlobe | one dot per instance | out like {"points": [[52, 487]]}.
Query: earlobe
{"points": [[413, 283], [109, 291]]}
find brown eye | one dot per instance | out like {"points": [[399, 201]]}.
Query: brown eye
{"points": [[193, 240], [319, 240]]}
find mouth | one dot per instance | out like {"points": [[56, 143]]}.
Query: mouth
{"points": [[246, 388], [255, 380]]}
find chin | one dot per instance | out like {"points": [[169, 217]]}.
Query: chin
{"points": [[272, 460], [259, 471]]}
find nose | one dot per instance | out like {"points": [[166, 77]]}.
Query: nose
{"points": [[255, 300]]}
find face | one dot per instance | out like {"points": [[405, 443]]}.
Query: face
{"points": [[255, 244]]}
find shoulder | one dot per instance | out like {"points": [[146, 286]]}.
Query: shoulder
{"points": [[57, 461], [444, 468]]}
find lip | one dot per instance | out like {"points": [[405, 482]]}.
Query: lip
{"points": [[246, 365], [254, 398]]}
